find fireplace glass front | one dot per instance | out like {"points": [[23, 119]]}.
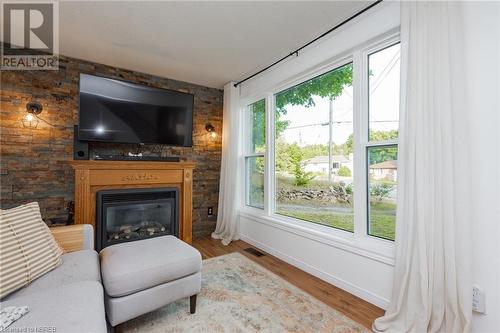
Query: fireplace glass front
{"points": [[134, 214]]}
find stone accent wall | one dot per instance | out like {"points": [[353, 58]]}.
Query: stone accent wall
{"points": [[34, 162]]}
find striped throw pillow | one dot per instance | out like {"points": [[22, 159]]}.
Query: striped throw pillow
{"points": [[27, 248]]}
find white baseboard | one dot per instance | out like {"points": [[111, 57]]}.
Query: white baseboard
{"points": [[342, 284]]}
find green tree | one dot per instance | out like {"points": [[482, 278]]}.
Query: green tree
{"points": [[383, 135], [377, 155], [328, 85], [258, 115], [341, 149], [311, 151], [302, 178], [382, 154], [349, 144], [283, 159], [284, 151]]}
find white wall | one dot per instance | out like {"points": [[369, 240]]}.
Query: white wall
{"points": [[361, 273], [482, 33]]}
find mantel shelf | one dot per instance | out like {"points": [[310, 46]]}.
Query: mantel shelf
{"points": [[131, 165]]}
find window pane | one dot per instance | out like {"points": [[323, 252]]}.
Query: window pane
{"points": [[383, 71], [314, 150], [257, 114], [382, 180], [255, 181]]}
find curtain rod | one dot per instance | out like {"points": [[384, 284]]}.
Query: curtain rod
{"points": [[296, 52]]}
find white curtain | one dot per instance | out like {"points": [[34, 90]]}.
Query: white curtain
{"points": [[432, 282], [230, 182]]}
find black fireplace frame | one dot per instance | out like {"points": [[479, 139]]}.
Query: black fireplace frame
{"points": [[101, 237]]}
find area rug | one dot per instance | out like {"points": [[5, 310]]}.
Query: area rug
{"points": [[238, 295]]}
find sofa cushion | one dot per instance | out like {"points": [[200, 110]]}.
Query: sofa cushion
{"points": [[76, 266], [27, 248], [130, 267], [76, 307]]}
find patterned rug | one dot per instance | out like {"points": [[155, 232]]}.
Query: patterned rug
{"points": [[238, 295]]}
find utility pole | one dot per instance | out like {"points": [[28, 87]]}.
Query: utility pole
{"points": [[330, 131]]}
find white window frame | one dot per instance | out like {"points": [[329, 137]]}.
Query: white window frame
{"points": [[358, 241], [364, 139], [248, 153]]}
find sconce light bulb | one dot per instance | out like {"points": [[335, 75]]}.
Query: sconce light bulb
{"points": [[29, 117], [213, 134]]}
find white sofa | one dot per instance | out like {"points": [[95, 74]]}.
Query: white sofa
{"points": [[69, 298]]}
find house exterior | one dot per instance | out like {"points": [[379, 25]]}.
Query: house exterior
{"points": [[387, 170], [319, 164]]}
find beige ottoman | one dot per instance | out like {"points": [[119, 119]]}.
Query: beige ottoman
{"points": [[142, 276]]}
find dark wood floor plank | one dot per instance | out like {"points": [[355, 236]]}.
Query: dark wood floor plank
{"points": [[344, 302]]}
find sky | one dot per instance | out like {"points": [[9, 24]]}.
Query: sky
{"points": [[310, 125]]}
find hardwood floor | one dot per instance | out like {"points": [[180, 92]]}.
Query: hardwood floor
{"points": [[344, 302]]}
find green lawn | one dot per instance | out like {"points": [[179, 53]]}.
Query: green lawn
{"points": [[382, 219], [341, 221], [383, 225], [382, 213]]}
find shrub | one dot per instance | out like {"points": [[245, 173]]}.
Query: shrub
{"points": [[344, 171], [381, 190], [302, 178], [349, 189]]}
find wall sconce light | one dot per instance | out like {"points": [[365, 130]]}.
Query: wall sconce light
{"points": [[33, 109], [211, 131]]}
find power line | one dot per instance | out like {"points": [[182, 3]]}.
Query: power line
{"points": [[340, 122]]}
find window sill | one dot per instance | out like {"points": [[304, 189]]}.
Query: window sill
{"points": [[376, 249]]}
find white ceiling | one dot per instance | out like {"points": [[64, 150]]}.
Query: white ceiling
{"points": [[208, 43]]}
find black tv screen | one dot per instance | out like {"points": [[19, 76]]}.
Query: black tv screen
{"points": [[119, 111]]}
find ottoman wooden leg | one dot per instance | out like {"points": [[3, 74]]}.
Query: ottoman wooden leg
{"points": [[192, 304]]}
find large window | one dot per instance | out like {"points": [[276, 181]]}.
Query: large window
{"points": [[332, 138], [254, 159], [314, 151]]}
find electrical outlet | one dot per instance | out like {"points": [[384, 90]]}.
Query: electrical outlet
{"points": [[478, 300], [210, 211]]}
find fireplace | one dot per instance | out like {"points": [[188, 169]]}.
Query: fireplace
{"points": [[137, 213]]}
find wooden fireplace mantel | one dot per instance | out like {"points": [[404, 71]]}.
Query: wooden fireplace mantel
{"points": [[92, 176]]}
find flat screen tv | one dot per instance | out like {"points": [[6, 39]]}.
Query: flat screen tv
{"points": [[119, 111]]}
